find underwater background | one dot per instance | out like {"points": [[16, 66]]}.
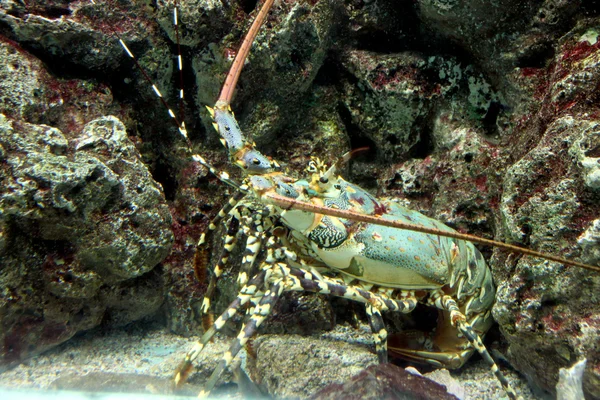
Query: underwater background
{"points": [[482, 114]]}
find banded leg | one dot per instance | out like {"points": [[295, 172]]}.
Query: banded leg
{"points": [[374, 304], [251, 292], [261, 312], [380, 334], [254, 229], [254, 241], [201, 258], [247, 293], [283, 279], [302, 280], [459, 320], [233, 233]]}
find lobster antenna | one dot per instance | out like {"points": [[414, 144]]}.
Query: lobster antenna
{"points": [[223, 176], [288, 203], [236, 68], [179, 63], [180, 125]]}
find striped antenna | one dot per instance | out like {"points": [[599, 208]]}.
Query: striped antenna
{"points": [[221, 175], [179, 64], [180, 124]]}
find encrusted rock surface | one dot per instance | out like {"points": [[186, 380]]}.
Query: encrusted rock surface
{"points": [[385, 381], [306, 365], [481, 114], [83, 226]]}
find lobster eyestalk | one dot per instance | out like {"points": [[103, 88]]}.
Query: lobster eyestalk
{"points": [[289, 203], [242, 149], [329, 175]]}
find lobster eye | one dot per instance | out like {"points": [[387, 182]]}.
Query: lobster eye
{"points": [[323, 179], [338, 187], [255, 161], [286, 190]]}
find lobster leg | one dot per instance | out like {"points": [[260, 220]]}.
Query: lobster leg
{"points": [[459, 321], [250, 292], [447, 347], [380, 334], [254, 231], [247, 293], [285, 279], [231, 238], [325, 285], [203, 249], [260, 313], [375, 303]]}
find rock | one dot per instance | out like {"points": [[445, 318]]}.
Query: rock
{"points": [[589, 242], [443, 377], [548, 203], [292, 366], [570, 382], [96, 382], [91, 223], [388, 99], [385, 381]]}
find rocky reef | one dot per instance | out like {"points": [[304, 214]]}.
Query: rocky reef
{"points": [[484, 115]]}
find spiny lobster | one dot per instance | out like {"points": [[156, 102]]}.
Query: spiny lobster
{"points": [[303, 247], [325, 235]]}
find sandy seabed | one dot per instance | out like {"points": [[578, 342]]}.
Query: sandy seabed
{"points": [[146, 356]]}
